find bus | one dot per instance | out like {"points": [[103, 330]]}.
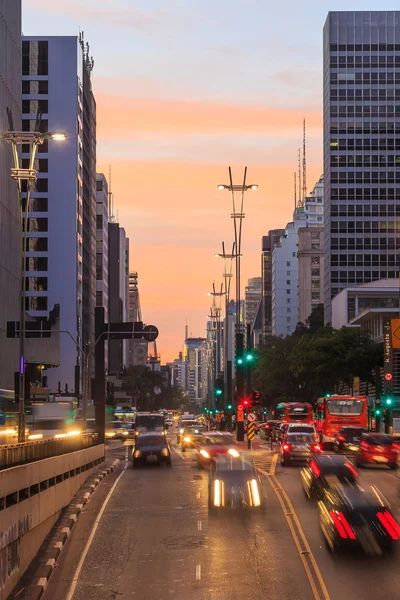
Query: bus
{"points": [[8, 409], [294, 412], [334, 412]]}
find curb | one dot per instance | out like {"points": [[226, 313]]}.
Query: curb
{"points": [[57, 542]]}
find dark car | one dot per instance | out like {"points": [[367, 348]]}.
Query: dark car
{"points": [[323, 469], [379, 449], [234, 484], [348, 439], [351, 518], [151, 448], [191, 436], [184, 426], [298, 447]]}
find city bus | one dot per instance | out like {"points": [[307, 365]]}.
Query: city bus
{"points": [[294, 412], [334, 412], [8, 409]]}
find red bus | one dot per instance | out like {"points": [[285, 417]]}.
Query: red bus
{"points": [[294, 412], [334, 412]]}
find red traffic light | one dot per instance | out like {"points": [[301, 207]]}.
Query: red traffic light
{"points": [[246, 403]]}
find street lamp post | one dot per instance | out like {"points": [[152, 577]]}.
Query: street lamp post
{"points": [[19, 174], [237, 227]]}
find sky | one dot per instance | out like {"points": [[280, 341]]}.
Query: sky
{"points": [[185, 89]]}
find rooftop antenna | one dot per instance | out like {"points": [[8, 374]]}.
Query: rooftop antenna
{"points": [[295, 191], [304, 163], [110, 197], [299, 167], [186, 330]]}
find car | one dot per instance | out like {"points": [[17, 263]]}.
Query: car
{"points": [[235, 484], [118, 430], [212, 445], [191, 436], [269, 429], [169, 422], [348, 439], [377, 448], [186, 425], [282, 431], [316, 476], [302, 428], [298, 447], [151, 447], [351, 518]]}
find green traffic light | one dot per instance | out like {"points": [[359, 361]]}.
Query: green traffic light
{"points": [[240, 361], [218, 392], [377, 412], [249, 357], [229, 407], [388, 401]]}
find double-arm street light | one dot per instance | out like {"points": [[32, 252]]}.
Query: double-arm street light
{"points": [[238, 216], [34, 139]]}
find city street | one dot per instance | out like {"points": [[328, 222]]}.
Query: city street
{"points": [[155, 539]]}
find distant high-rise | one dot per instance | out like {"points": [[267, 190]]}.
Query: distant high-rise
{"points": [[268, 243], [137, 348], [118, 293], [252, 296], [61, 258], [192, 356], [361, 133], [102, 218], [10, 228]]}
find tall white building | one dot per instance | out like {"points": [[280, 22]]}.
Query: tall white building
{"points": [[62, 225], [10, 228], [252, 296], [124, 287], [102, 218]]}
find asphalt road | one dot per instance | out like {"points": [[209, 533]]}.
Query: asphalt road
{"points": [[155, 540]]}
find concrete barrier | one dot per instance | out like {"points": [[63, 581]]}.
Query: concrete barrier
{"points": [[31, 499]]}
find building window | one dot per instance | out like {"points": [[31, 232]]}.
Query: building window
{"points": [[287, 272], [42, 186], [287, 319], [99, 221], [288, 281], [288, 310], [315, 260], [35, 106], [36, 284], [288, 263], [315, 283], [315, 272], [288, 291], [37, 244], [99, 185], [294, 254], [315, 236], [35, 87], [99, 298], [315, 295], [34, 263], [288, 300], [315, 246], [39, 205], [36, 303], [37, 225]]}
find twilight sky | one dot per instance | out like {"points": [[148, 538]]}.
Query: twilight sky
{"points": [[185, 88]]}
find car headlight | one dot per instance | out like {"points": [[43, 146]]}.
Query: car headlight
{"points": [[164, 452], [255, 494], [35, 436], [181, 430], [233, 452], [136, 432], [196, 431], [124, 433], [110, 434], [74, 433], [137, 453], [204, 453], [187, 439]]}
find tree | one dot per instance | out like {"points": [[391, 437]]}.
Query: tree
{"points": [[140, 382], [316, 319]]}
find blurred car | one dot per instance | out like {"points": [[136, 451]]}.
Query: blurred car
{"points": [[298, 447], [212, 445], [118, 430], [235, 484], [188, 424], [191, 436], [348, 439], [151, 447], [169, 422], [350, 518], [269, 429], [302, 428], [322, 470], [377, 448]]}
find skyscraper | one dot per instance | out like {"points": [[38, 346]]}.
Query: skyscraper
{"points": [[252, 296], [118, 293], [10, 227], [268, 243], [62, 225], [361, 141]]}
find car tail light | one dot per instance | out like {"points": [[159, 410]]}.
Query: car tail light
{"points": [[341, 438], [351, 468], [342, 526], [390, 524], [266, 426], [315, 468], [286, 447], [364, 445], [316, 448]]}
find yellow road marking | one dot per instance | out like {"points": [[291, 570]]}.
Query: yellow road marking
{"points": [[273, 464], [298, 536]]}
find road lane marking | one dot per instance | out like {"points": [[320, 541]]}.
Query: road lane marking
{"points": [[178, 452], [199, 526], [273, 464], [78, 570], [198, 572], [311, 568]]}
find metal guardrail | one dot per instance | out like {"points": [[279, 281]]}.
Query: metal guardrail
{"points": [[27, 452]]}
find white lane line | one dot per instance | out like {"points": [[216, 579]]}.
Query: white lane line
{"points": [[199, 526], [198, 572], [78, 570], [198, 495], [178, 452]]}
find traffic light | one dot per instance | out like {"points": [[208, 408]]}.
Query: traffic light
{"points": [[239, 361], [249, 356], [377, 411], [219, 387], [388, 401], [229, 407]]}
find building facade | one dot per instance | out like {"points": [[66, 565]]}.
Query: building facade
{"points": [[285, 278], [252, 296], [118, 294], [10, 223], [192, 356], [56, 83], [137, 348], [268, 243], [361, 130]]}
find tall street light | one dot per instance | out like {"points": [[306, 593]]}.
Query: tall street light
{"points": [[237, 227], [19, 174]]}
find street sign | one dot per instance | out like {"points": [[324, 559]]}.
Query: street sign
{"points": [[120, 331], [387, 357], [395, 331], [251, 417], [251, 431], [240, 415], [150, 333], [388, 376], [240, 407]]}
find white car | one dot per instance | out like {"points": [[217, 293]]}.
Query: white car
{"points": [[302, 428]]}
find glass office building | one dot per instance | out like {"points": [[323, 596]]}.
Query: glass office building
{"points": [[361, 148]]}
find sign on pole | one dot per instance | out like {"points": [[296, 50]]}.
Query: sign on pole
{"points": [[388, 357], [251, 417]]}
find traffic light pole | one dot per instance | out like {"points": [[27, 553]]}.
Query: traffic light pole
{"points": [[239, 384]]}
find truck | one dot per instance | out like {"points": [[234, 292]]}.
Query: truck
{"points": [[52, 419]]}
